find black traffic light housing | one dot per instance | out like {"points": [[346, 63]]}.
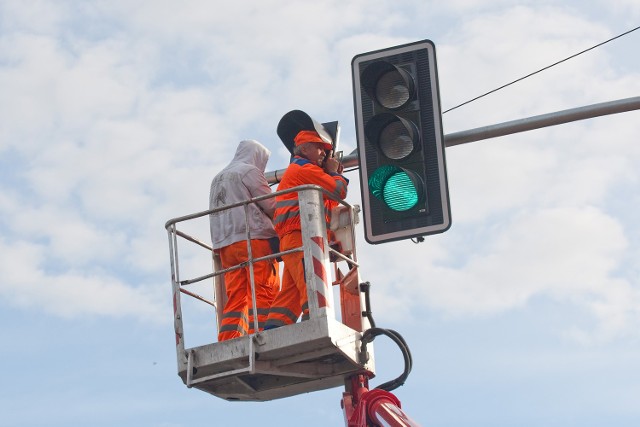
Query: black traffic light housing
{"points": [[401, 150]]}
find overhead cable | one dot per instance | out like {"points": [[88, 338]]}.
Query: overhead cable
{"points": [[542, 69]]}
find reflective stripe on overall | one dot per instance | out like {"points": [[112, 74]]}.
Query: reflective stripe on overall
{"points": [[292, 299], [237, 319]]}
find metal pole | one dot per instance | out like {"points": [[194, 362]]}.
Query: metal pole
{"points": [[507, 128], [544, 120], [175, 288], [316, 254]]}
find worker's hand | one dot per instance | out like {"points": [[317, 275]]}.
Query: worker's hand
{"points": [[339, 160], [331, 164]]}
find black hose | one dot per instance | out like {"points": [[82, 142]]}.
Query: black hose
{"points": [[370, 334], [366, 287]]}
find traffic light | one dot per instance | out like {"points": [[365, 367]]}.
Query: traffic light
{"points": [[403, 176]]}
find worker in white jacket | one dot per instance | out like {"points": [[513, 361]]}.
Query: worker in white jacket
{"points": [[241, 180]]}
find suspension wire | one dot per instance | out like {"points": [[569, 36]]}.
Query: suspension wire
{"points": [[542, 69]]}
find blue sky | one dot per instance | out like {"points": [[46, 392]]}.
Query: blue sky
{"points": [[117, 114]]}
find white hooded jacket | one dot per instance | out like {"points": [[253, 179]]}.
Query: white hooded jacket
{"points": [[242, 180]]}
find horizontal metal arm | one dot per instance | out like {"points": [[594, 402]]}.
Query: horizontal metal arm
{"points": [[544, 120], [507, 128]]}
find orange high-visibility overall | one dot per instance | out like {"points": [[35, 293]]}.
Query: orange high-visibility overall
{"points": [[237, 318], [291, 301]]}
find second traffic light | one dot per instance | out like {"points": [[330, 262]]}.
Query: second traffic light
{"points": [[403, 177]]}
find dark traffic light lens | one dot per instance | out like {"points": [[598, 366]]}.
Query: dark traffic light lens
{"points": [[395, 187], [392, 91], [396, 141], [390, 86], [395, 137]]}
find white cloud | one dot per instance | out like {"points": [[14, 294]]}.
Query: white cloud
{"points": [[72, 293], [42, 16], [116, 115], [119, 131], [531, 214], [569, 255], [490, 177]]}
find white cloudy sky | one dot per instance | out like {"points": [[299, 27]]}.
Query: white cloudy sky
{"points": [[116, 114]]}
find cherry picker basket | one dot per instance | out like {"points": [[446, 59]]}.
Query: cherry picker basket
{"points": [[315, 354]]}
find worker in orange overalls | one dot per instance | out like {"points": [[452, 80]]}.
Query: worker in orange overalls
{"points": [[241, 180], [313, 163]]}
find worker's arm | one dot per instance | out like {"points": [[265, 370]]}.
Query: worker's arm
{"points": [[333, 182], [257, 185]]}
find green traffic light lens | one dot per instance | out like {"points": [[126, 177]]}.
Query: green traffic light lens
{"points": [[399, 192], [394, 187], [392, 91]]}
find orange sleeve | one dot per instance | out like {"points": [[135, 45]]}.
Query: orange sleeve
{"points": [[312, 174]]}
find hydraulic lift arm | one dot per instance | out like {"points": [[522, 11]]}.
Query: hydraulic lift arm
{"points": [[367, 408]]}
